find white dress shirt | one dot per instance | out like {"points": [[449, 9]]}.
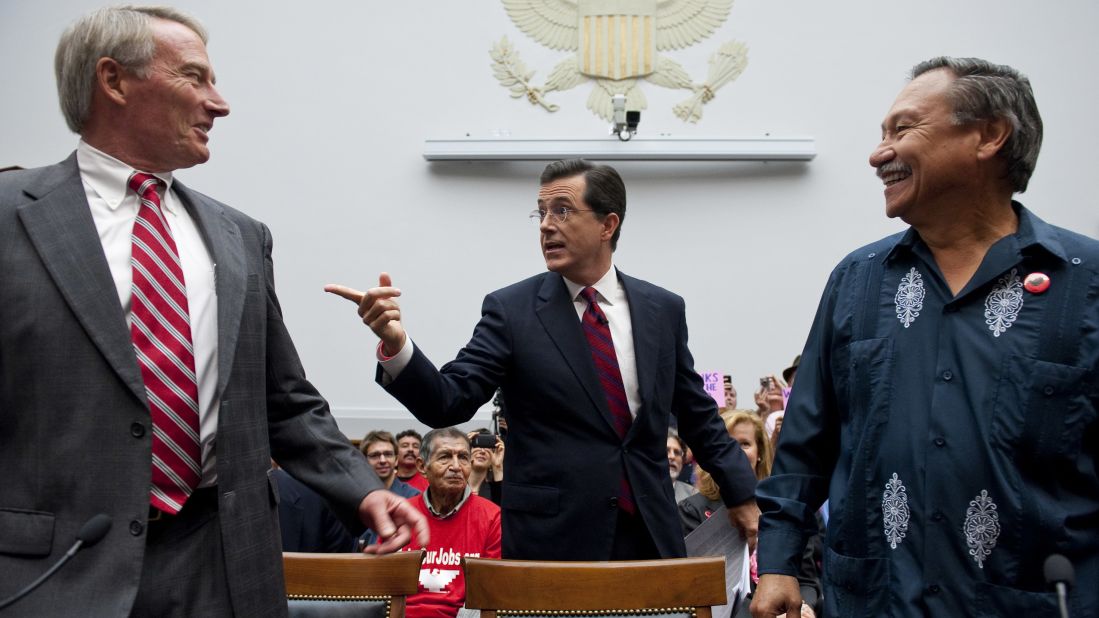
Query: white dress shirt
{"points": [[114, 209], [611, 297]]}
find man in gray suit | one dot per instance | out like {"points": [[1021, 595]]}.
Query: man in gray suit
{"points": [[145, 369]]}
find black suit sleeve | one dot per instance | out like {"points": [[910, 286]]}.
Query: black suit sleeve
{"points": [[702, 429]]}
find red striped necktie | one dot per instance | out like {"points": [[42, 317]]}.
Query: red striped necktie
{"points": [[598, 332], [160, 327]]}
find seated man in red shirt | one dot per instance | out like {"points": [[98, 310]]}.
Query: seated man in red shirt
{"points": [[461, 524]]}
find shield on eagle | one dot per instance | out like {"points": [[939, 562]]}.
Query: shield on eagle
{"points": [[617, 38]]}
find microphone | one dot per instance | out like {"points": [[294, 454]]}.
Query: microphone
{"points": [[89, 534], [1059, 574]]}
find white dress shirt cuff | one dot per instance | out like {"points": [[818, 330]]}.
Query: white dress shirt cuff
{"points": [[392, 366]]}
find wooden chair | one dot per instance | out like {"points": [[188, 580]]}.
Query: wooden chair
{"points": [[350, 584], [677, 587]]}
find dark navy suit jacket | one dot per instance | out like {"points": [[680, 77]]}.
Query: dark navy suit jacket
{"points": [[564, 457], [305, 520]]}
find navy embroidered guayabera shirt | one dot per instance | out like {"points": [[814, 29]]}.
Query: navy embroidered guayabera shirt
{"points": [[955, 436]]}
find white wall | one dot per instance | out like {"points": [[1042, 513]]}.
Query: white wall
{"points": [[332, 101]]}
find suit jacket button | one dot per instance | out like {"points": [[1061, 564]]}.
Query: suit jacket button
{"points": [[614, 502], [136, 528], [137, 430]]}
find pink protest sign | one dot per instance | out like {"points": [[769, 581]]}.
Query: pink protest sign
{"points": [[714, 381]]}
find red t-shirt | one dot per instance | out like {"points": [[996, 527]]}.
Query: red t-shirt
{"points": [[473, 531], [417, 480]]}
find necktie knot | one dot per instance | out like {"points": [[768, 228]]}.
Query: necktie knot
{"points": [[589, 295], [145, 185]]}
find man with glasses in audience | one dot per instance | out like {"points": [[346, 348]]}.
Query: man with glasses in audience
{"points": [[591, 363], [380, 448]]}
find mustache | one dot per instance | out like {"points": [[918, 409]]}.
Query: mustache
{"points": [[893, 167]]}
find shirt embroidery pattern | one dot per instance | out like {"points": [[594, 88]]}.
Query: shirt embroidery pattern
{"points": [[909, 298], [981, 527], [1004, 303], [894, 510]]}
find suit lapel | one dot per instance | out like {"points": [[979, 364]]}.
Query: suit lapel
{"points": [[558, 316], [223, 239], [643, 319], [60, 226]]}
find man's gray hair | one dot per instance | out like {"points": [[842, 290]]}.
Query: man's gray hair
{"points": [[123, 33], [427, 447], [986, 91]]}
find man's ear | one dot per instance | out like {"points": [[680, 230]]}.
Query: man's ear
{"points": [[110, 80], [994, 134], [421, 466], [610, 223]]}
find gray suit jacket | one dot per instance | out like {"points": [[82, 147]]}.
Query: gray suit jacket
{"points": [[75, 435]]}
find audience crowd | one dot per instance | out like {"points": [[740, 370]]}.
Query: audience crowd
{"points": [[456, 479]]}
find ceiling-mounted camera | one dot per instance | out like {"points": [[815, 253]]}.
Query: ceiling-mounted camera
{"points": [[625, 122]]}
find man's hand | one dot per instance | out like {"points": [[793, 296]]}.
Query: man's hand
{"points": [[394, 519], [379, 311], [745, 517], [776, 595]]}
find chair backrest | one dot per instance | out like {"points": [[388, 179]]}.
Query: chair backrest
{"points": [[680, 587], [350, 584]]}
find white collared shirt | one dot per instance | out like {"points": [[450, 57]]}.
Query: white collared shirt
{"points": [[611, 297], [114, 209]]}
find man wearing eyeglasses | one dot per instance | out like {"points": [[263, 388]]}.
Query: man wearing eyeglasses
{"points": [[591, 363], [380, 448]]}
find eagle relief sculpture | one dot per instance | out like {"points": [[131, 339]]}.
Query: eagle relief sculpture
{"points": [[616, 44]]}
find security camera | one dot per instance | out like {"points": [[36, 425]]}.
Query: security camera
{"points": [[625, 122]]}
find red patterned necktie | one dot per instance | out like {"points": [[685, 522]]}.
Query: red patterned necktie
{"points": [[598, 332], [160, 327]]}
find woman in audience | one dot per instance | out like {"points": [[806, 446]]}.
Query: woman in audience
{"points": [[486, 478], [746, 427]]}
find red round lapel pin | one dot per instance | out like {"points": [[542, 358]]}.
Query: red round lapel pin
{"points": [[1036, 283]]}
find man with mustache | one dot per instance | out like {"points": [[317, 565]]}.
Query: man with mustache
{"points": [[946, 400], [146, 372], [461, 524], [408, 453], [591, 364]]}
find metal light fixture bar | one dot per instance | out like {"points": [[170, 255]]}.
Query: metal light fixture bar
{"points": [[612, 149]]}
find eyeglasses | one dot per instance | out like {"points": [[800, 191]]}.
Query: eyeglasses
{"points": [[381, 455], [559, 214]]}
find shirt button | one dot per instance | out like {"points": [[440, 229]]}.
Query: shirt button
{"points": [[940, 442], [937, 516], [137, 430], [933, 589], [136, 528], [1048, 390], [614, 503], [948, 375]]}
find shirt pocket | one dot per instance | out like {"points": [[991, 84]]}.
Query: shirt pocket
{"points": [[855, 587], [865, 387], [1041, 408], [994, 601]]}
